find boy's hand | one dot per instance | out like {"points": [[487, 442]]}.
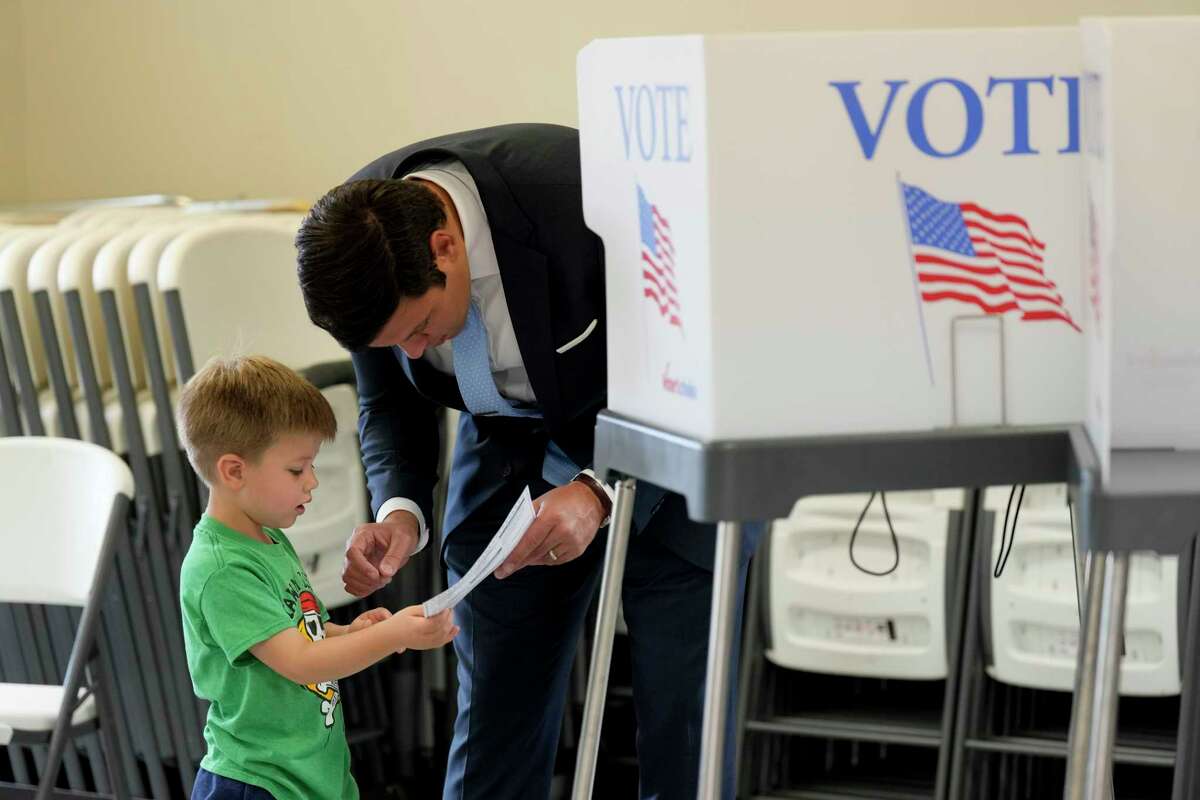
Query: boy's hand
{"points": [[377, 550], [422, 633], [368, 618]]}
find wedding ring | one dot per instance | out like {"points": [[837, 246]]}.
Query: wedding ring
{"points": [[552, 556]]}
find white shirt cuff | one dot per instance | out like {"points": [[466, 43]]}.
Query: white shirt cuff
{"points": [[404, 504]]}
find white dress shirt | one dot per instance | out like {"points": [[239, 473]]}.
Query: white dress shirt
{"points": [[487, 291]]}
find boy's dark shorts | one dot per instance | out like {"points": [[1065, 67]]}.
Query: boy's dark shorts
{"points": [[215, 787]]}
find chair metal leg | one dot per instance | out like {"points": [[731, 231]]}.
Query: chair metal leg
{"points": [[48, 771], [10, 414], [606, 627], [1187, 773], [27, 393], [1098, 670], [971, 574], [753, 651], [720, 645], [112, 732]]}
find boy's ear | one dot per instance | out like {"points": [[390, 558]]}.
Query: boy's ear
{"points": [[231, 471]]}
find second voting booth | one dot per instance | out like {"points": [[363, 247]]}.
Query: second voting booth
{"points": [[902, 261]]}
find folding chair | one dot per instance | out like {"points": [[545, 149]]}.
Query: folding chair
{"points": [[170, 682], [63, 418], [82, 309], [231, 287], [1031, 616], [62, 524], [20, 334], [155, 699], [83, 213], [25, 333], [10, 415], [825, 615], [125, 217], [105, 426], [181, 494], [821, 613]]}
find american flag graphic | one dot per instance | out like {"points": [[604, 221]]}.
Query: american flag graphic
{"points": [[658, 261], [966, 253]]}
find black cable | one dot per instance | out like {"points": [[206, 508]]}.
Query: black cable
{"points": [[1005, 533], [891, 530]]}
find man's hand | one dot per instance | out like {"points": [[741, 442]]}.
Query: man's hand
{"points": [[567, 520], [377, 551], [368, 618]]}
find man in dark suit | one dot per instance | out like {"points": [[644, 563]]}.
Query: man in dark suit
{"points": [[459, 273]]}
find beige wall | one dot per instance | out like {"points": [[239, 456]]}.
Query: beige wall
{"points": [[221, 98], [12, 104]]}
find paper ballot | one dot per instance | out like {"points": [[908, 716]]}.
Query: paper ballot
{"points": [[502, 544]]}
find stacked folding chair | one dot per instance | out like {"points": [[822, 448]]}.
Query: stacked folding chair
{"points": [[848, 647], [1016, 698], [61, 527], [103, 315]]}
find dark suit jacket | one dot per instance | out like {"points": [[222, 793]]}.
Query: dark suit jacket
{"points": [[552, 269]]}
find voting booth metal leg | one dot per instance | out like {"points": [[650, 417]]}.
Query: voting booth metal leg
{"points": [[1094, 713], [720, 646], [606, 628]]}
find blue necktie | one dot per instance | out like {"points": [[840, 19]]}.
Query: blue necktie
{"points": [[473, 371]]}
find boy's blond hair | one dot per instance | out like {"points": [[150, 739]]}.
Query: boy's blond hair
{"points": [[242, 405]]}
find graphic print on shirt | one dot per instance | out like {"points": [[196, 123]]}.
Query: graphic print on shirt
{"points": [[310, 625]]}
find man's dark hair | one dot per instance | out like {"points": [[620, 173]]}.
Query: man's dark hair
{"points": [[362, 248]]}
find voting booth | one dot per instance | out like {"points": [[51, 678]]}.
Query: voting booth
{"points": [[873, 235], [1140, 84], [901, 261], [810, 234]]}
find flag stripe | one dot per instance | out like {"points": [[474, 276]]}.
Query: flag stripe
{"points": [[659, 218], [1021, 252], [990, 288], [983, 286], [1005, 281], [659, 272], [978, 269], [1035, 316], [1013, 218], [662, 294], [933, 297], [662, 309], [1041, 276], [1029, 241]]}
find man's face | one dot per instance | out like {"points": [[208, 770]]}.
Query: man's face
{"points": [[426, 321]]}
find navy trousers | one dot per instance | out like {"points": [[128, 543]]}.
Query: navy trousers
{"points": [[216, 787], [518, 639]]}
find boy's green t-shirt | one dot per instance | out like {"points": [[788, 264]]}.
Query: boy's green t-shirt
{"points": [[262, 729]]}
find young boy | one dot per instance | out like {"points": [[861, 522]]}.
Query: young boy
{"points": [[259, 644]]}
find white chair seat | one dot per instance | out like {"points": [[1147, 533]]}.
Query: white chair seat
{"points": [[34, 708], [5, 734], [826, 616]]}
